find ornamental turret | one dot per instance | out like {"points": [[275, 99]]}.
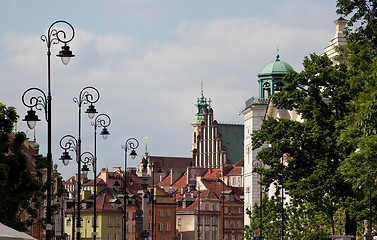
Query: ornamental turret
{"points": [[270, 79]]}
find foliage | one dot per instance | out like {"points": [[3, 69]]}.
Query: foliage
{"points": [[363, 18], [322, 95], [19, 190]]}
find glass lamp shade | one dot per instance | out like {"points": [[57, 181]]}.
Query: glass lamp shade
{"points": [[65, 158], [133, 154], [31, 119], [91, 111], [104, 133], [85, 169], [65, 54]]}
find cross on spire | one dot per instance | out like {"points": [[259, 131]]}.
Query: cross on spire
{"points": [[201, 86], [146, 143]]}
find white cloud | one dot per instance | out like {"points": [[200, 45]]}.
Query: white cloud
{"points": [[150, 87]]}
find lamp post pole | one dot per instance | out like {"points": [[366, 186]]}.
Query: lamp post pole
{"points": [[87, 95], [42, 102], [158, 162], [222, 198], [130, 144], [70, 143], [258, 164], [101, 120]]}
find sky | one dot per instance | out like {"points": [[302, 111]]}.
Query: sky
{"points": [[148, 58]]}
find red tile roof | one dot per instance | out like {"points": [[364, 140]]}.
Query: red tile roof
{"points": [[235, 171]]}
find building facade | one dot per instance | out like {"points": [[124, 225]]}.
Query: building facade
{"points": [[270, 81]]}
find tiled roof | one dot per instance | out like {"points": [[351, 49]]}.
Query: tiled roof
{"points": [[213, 173], [232, 138], [240, 163], [165, 182], [235, 171], [172, 162]]}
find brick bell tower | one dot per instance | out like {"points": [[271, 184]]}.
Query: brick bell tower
{"points": [[207, 142]]}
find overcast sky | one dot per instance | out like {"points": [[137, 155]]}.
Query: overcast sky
{"points": [[147, 58]]}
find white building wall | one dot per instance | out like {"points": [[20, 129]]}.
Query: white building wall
{"points": [[253, 118]]}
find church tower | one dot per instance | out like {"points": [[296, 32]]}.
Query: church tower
{"points": [[208, 150], [270, 81]]}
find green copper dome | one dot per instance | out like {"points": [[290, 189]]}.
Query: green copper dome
{"points": [[275, 67]]}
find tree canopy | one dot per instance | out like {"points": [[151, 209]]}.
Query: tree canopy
{"points": [[19, 190], [330, 158]]}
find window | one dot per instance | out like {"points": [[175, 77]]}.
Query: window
{"points": [[133, 228], [214, 207], [150, 211], [206, 220], [109, 236], [150, 226], [167, 213], [133, 215], [232, 224], [127, 228], [207, 235], [109, 222], [239, 181], [226, 223], [117, 222], [214, 220], [179, 221], [127, 215], [69, 222], [214, 235], [116, 236], [160, 213], [226, 210], [168, 227], [160, 227]]}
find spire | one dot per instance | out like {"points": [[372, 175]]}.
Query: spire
{"points": [[36, 145], [202, 106], [146, 144]]}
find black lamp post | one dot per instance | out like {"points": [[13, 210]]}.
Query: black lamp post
{"points": [[41, 102], [70, 143], [101, 120], [130, 144], [159, 163], [258, 164], [222, 197], [87, 95]]}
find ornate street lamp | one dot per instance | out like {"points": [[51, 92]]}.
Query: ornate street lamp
{"points": [[102, 120], [70, 143], [41, 102], [157, 163], [88, 95], [130, 144], [222, 196]]}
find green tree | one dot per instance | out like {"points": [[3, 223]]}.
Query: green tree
{"points": [[322, 95], [19, 190]]}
